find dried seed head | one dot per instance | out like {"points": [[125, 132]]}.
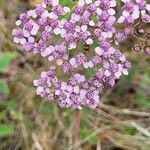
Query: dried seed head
{"points": [[147, 50], [137, 47], [146, 36]]}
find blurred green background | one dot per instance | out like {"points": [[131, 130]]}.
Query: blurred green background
{"points": [[27, 122]]}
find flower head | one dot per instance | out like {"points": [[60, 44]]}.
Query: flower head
{"points": [[86, 41]]}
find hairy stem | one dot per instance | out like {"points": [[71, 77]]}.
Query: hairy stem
{"points": [[75, 129]]}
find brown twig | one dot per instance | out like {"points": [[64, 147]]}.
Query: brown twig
{"points": [[115, 110]]}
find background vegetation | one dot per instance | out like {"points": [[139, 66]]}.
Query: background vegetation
{"points": [[29, 123]]}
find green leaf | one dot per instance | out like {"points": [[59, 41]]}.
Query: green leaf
{"points": [[17, 116], [70, 53], [129, 130], [145, 81], [67, 3], [10, 105], [90, 73], [4, 87], [142, 100], [5, 59], [132, 73], [120, 90], [6, 130], [3, 114]]}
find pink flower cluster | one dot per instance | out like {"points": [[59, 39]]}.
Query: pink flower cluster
{"points": [[54, 32], [132, 13]]}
